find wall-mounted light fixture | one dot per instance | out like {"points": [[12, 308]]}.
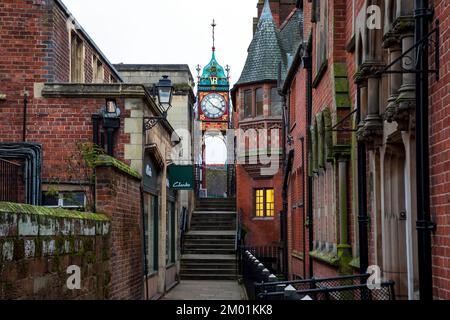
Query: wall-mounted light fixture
{"points": [[164, 92], [109, 116]]}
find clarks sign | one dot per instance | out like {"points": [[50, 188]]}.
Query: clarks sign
{"points": [[181, 177]]}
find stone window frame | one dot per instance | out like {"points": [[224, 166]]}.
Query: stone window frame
{"points": [[77, 58], [264, 203], [98, 70], [256, 91], [247, 110], [271, 113]]}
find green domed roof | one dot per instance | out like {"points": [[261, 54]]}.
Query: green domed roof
{"points": [[211, 71]]}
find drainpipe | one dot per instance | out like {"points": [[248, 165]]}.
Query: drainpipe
{"points": [[284, 222], [25, 107], [307, 61], [362, 196], [424, 225], [144, 247], [302, 140]]}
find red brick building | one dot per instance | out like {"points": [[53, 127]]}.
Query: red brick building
{"points": [[55, 87], [352, 140], [258, 118]]}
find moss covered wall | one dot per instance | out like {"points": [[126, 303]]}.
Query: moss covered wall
{"points": [[38, 244]]}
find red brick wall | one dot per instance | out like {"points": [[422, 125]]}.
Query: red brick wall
{"points": [[34, 46], [118, 197], [260, 232], [440, 158]]}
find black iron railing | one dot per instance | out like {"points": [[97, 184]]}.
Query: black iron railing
{"points": [[184, 225], [262, 284], [9, 184]]}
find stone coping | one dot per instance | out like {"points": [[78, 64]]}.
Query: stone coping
{"points": [[108, 161], [8, 207], [327, 257]]}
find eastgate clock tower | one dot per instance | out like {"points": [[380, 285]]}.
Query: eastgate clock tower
{"points": [[213, 95], [213, 103]]}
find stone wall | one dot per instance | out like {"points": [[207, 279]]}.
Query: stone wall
{"points": [[38, 244]]}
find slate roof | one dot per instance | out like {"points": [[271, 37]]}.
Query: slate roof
{"points": [[269, 47]]}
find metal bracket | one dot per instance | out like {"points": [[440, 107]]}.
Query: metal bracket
{"points": [[334, 128], [420, 45], [151, 122], [426, 225]]}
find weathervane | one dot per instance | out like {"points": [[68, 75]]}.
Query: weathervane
{"points": [[228, 69], [213, 25], [199, 68]]}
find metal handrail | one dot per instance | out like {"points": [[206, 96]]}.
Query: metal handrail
{"points": [[327, 290]]}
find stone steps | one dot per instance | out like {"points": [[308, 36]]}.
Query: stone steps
{"points": [[209, 246]]}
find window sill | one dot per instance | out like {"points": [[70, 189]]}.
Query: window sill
{"points": [[326, 257], [263, 219], [152, 274], [298, 255], [170, 265]]}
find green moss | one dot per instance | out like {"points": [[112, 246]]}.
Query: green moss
{"points": [[327, 257], [108, 161], [182, 87], [355, 263], [90, 257], [56, 263], [343, 100], [345, 257], [7, 207], [340, 70]]}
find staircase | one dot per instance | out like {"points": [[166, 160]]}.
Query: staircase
{"points": [[209, 246]]}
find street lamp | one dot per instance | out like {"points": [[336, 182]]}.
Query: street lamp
{"points": [[164, 90], [111, 122]]}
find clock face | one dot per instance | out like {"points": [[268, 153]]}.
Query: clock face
{"points": [[214, 106]]}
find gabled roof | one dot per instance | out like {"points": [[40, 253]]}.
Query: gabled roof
{"points": [[270, 47]]}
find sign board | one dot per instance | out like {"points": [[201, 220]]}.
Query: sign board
{"points": [[181, 177]]}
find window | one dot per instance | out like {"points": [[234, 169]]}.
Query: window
{"points": [[98, 73], [151, 232], [68, 200], [76, 59], [248, 104], [275, 103], [259, 98], [265, 203]]}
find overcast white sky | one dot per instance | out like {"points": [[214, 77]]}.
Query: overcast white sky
{"points": [[168, 31]]}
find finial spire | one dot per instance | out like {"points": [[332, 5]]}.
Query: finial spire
{"points": [[213, 25], [266, 13]]}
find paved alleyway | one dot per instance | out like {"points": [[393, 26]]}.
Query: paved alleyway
{"points": [[206, 290]]}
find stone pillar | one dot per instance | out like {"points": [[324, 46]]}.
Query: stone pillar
{"points": [[406, 93], [395, 79], [344, 249], [373, 122]]}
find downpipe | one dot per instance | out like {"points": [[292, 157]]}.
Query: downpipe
{"points": [[422, 15]]}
